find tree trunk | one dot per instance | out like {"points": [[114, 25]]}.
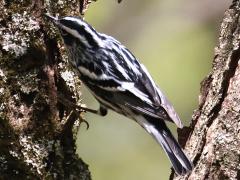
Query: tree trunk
{"points": [[37, 131], [214, 134]]}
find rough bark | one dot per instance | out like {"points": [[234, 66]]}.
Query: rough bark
{"points": [[214, 139], [37, 132]]}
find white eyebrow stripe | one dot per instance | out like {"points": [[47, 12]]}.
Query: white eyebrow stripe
{"points": [[86, 27], [75, 19], [76, 34]]}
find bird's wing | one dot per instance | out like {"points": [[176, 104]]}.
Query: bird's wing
{"points": [[159, 100], [139, 94], [146, 98], [126, 82]]}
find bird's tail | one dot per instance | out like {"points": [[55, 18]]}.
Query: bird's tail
{"points": [[158, 129]]}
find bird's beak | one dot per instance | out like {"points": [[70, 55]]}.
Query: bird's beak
{"points": [[52, 19]]}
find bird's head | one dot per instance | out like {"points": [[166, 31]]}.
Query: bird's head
{"points": [[74, 30]]}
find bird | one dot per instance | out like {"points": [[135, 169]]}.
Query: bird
{"points": [[121, 83]]}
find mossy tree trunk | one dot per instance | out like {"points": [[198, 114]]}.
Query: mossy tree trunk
{"points": [[214, 140], [37, 132]]}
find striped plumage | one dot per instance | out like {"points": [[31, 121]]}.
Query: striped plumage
{"points": [[119, 82]]}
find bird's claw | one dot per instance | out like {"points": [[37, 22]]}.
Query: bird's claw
{"points": [[85, 122]]}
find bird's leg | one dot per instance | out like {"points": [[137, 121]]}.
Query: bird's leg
{"points": [[102, 111], [70, 120]]}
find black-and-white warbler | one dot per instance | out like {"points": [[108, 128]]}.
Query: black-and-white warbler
{"points": [[120, 83]]}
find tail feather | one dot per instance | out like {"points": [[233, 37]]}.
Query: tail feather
{"points": [[163, 136]]}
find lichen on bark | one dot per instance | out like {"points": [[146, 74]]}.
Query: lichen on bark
{"points": [[36, 136]]}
